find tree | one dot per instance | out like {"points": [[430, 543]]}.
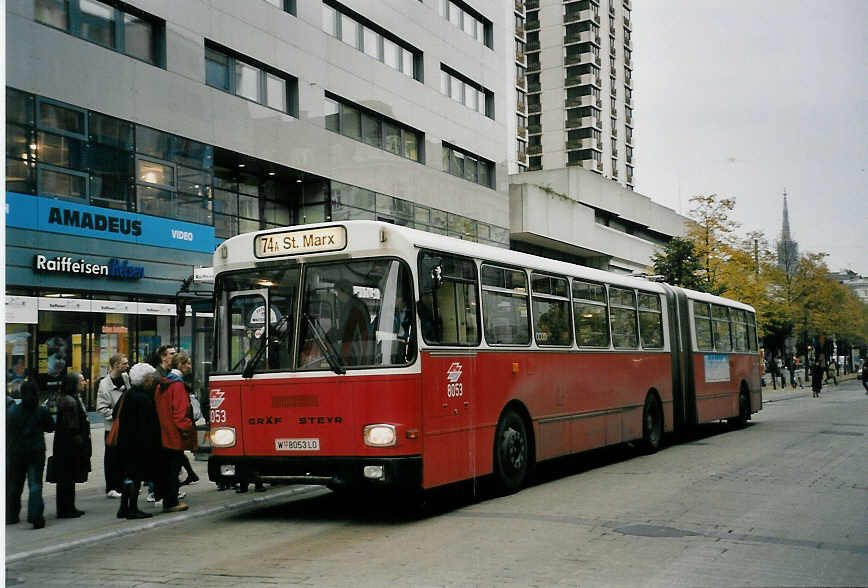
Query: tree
{"points": [[678, 264], [711, 233]]}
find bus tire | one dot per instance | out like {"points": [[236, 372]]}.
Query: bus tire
{"points": [[652, 424], [740, 421], [511, 453]]}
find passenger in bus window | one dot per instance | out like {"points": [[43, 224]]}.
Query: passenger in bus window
{"points": [[403, 325], [354, 325]]}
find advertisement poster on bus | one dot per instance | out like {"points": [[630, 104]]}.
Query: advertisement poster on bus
{"points": [[716, 367]]}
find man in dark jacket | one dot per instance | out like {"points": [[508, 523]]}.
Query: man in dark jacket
{"points": [[26, 425], [138, 437]]}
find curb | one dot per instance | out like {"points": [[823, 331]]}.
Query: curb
{"points": [[160, 522]]}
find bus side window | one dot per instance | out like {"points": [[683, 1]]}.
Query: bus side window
{"points": [[720, 324], [650, 321], [448, 307], [702, 325], [505, 306], [622, 304], [751, 331]]}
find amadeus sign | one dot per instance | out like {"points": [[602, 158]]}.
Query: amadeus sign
{"points": [[52, 215], [79, 267]]}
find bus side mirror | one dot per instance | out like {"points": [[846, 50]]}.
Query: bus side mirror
{"points": [[180, 312]]}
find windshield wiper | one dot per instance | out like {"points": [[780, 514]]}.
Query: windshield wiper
{"points": [[251, 365], [325, 345]]}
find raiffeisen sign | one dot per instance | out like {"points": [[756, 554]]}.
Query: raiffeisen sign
{"points": [[115, 268]]}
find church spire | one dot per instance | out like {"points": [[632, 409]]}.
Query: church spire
{"points": [[788, 250], [785, 230]]}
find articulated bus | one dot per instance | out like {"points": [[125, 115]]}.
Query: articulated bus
{"points": [[365, 354]]}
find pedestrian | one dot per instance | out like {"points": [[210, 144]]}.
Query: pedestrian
{"points": [[196, 408], [111, 387], [817, 375], [26, 425], [773, 368], [865, 375], [162, 359], [832, 371], [796, 373], [72, 445], [138, 437], [176, 429]]}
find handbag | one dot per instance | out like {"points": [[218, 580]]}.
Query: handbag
{"points": [[50, 471], [112, 439]]}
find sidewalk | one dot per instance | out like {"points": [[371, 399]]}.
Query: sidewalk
{"points": [[787, 393], [100, 523]]}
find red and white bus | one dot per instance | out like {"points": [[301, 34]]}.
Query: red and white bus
{"points": [[363, 353]]}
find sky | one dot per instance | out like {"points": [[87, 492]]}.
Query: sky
{"points": [[748, 98]]}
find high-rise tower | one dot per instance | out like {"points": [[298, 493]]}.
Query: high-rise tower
{"points": [[576, 82], [788, 250]]}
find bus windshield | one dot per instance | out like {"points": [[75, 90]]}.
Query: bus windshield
{"points": [[365, 310], [351, 314]]}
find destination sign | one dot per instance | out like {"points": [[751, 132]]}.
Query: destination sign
{"points": [[300, 241]]}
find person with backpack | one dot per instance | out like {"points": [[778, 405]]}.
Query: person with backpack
{"points": [[110, 389], [26, 425]]}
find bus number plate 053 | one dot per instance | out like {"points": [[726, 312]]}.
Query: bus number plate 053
{"points": [[296, 444]]}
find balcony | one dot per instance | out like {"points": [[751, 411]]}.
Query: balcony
{"points": [[587, 79], [522, 132], [533, 67], [531, 25], [586, 122], [533, 88], [521, 81], [629, 139], [531, 4], [571, 16], [627, 23], [582, 37], [628, 79], [531, 47], [629, 120], [534, 108], [584, 100], [534, 149], [519, 32], [628, 62], [519, 6], [628, 5], [584, 143], [519, 55], [582, 59], [534, 129], [614, 129], [522, 156], [614, 153]]}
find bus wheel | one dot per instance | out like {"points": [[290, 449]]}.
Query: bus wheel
{"points": [[652, 424], [743, 417], [511, 453]]}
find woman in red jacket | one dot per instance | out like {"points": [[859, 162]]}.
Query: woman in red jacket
{"points": [[177, 431]]}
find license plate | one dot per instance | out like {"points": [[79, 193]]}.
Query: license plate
{"points": [[296, 444]]}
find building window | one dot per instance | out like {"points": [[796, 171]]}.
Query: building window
{"points": [[352, 121], [173, 176], [249, 79], [285, 5], [371, 39], [467, 92], [112, 24], [467, 165], [468, 20]]}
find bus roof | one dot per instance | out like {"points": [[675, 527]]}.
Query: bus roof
{"points": [[366, 238]]}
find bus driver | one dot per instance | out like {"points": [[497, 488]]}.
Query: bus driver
{"points": [[354, 325]]}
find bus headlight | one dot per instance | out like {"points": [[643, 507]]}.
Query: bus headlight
{"points": [[223, 437], [380, 435]]}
